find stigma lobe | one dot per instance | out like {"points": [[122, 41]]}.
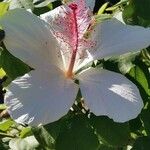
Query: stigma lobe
{"points": [[73, 6]]}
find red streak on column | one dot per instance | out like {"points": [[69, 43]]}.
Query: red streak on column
{"points": [[69, 73]]}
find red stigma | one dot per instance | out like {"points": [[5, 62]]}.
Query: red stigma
{"points": [[73, 6]]}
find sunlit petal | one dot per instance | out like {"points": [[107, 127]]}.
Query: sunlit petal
{"points": [[115, 38], [29, 38], [42, 96], [111, 94]]}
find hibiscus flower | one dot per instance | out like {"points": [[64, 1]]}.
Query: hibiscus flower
{"points": [[57, 45]]}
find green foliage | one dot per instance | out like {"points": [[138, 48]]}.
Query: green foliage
{"points": [[12, 66], [110, 132], [44, 138], [37, 6], [25, 132], [142, 10], [72, 133], [2, 146], [6, 124], [3, 8], [75, 132], [135, 124], [78, 131], [146, 121], [137, 13], [2, 35], [2, 106], [28, 4], [142, 143], [140, 76], [76, 136], [122, 64]]}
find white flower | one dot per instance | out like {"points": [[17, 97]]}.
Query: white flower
{"points": [[56, 46]]}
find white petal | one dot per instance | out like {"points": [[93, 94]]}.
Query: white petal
{"points": [[116, 38], [28, 37], [90, 4], [40, 97], [118, 16], [111, 94]]}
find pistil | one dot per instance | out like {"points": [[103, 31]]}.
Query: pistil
{"points": [[69, 72]]}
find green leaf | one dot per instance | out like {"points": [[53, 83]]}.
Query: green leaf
{"points": [[2, 73], [3, 146], [140, 74], [25, 132], [12, 65], [142, 143], [41, 7], [145, 56], [45, 140], [116, 6], [6, 124], [30, 4], [3, 106], [54, 128], [144, 9], [137, 14], [122, 63], [39, 3], [41, 10], [109, 132], [3, 8], [104, 147], [145, 116], [78, 135], [2, 35], [135, 124], [129, 14], [103, 8]]}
